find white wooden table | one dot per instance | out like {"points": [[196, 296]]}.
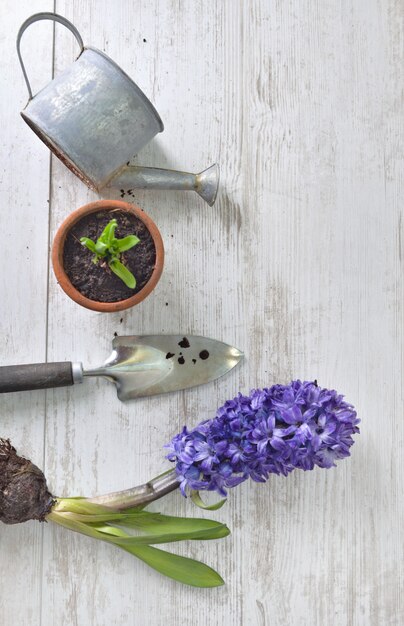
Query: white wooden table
{"points": [[299, 263]]}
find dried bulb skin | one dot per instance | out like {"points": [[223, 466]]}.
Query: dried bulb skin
{"points": [[23, 491]]}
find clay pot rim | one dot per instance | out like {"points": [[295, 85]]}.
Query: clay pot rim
{"points": [[57, 256]]}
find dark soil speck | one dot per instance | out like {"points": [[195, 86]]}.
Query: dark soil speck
{"points": [[184, 343]]}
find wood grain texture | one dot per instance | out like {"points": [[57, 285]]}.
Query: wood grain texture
{"points": [[299, 263], [24, 184]]}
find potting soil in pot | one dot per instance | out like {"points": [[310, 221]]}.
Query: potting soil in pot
{"points": [[97, 281]]}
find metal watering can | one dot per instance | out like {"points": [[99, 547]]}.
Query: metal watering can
{"points": [[94, 118]]}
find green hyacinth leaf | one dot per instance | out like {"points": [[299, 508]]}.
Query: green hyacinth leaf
{"points": [[68, 521], [111, 232], [180, 568], [158, 524], [100, 518], [108, 233], [158, 528], [101, 248], [86, 511], [88, 243], [79, 507], [123, 273], [127, 243], [90, 518], [107, 529], [113, 248], [123, 540], [196, 499]]}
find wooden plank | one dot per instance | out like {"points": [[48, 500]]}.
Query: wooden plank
{"points": [[320, 122], [24, 184]]}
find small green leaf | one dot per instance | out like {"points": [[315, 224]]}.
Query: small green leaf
{"points": [[183, 569], [88, 243], [108, 233], [127, 243], [196, 499], [113, 248], [123, 273], [101, 248], [111, 232]]}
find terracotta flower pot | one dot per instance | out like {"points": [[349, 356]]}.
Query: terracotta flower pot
{"points": [[58, 255]]}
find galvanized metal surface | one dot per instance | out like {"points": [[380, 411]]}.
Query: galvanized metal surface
{"points": [[205, 183], [93, 115], [95, 119], [154, 364], [38, 17]]}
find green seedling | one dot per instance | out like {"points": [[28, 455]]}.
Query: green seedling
{"points": [[109, 249]]}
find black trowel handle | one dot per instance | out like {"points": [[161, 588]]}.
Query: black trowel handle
{"points": [[36, 376]]}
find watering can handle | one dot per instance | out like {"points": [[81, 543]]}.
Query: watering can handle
{"points": [[36, 18]]}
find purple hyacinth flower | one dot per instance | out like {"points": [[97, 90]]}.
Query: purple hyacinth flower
{"points": [[271, 431]]}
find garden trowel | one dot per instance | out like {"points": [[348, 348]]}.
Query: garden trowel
{"points": [[139, 366]]}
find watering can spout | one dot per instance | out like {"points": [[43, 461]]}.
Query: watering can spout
{"points": [[205, 183], [208, 183]]}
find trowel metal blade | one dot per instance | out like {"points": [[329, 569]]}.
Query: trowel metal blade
{"points": [[153, 364]]}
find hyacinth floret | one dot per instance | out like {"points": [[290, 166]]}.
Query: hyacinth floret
{"points": [[271, 431]]}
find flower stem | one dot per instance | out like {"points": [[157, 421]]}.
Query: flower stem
{"points": [[141, 495]]}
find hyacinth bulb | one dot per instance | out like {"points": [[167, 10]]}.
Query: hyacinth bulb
{"points": [[271, 431], [24, 493]]}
